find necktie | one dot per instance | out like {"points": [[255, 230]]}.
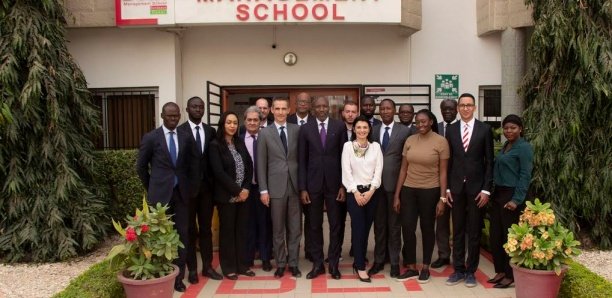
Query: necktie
{"points": [[385, 140], [302, 122], [254, 158], [466, 139], [172, 149], [283, 138], [198, 139], [323, 134]]}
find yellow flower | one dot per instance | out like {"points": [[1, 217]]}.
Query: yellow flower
{"points": [[545, 235], [512, 241], [147, 253], [568, 251], [558, 244]]}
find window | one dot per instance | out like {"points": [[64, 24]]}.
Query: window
{"points": [[489, 98], [126, 115]]}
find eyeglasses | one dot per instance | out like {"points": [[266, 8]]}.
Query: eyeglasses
{"points": [[466, 106]]}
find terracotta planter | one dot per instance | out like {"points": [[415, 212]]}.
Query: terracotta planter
{"points": [[162, 287], [529, 283]]}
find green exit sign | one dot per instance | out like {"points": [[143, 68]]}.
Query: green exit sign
{"points": [[447, 86]]}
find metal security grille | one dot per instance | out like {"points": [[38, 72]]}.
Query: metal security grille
{"points": [[127, 114], [418, 95], [489, 98]]}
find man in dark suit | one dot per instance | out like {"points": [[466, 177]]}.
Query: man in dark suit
{"points": [[320, 149], [406, 116], [387, 225], [277, 155], [259, 233], [368, 107], [201, 208], [448, 107], [302, 114], [470, 176], [172, 178]]}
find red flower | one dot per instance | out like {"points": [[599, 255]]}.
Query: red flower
{"points": [[130, 234], [144, 228]]}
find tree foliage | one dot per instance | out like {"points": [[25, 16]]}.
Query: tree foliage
{"points": [[46, 210], [567, 94]]}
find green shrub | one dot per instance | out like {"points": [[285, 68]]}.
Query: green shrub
{"points": [[117, 180], [99, 281], [581, 282], [567, 117]]}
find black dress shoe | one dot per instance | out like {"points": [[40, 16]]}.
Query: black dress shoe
{"points": [[179, 286], [439, 263], [193, 278], [376, 267], [395, 271], [335, 273], [247, 272], [232, 276], [496, 280], [212, 274], [266, 266], [316, 271], [280, 271], [504, 283], [295, 271]]}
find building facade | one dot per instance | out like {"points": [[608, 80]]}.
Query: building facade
{"points": [[395, 50]]}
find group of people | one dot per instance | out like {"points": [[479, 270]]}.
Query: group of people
{"points": [[263, 175]]}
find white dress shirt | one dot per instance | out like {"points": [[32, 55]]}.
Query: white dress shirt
{"points": [[382, 130], [194, 131], [175, 137]]}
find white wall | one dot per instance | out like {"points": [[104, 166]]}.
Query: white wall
{"points": [[327, 54], [448, 44], [115, 58]]}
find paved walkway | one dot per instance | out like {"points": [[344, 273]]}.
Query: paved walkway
{"points": [[265, 285]]}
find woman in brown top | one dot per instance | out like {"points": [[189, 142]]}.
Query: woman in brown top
{"points": [[422, 180]]}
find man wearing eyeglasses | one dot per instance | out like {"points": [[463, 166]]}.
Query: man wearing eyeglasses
{"points": [[470, 176]]}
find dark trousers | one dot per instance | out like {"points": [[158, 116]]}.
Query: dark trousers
{"points": [[387, 229], [418, 204], [179, 208], [259, 230], [307, 240], [201, 209], [467, 218], [316, 227], [232, 236], [361, 222], [501, 220], [443, 234], [343, 211]]}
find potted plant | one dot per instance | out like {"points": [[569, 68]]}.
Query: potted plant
{"points": [[150, 243], [539, 248]]}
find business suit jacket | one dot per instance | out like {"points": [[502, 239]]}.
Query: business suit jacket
{"points": [[475, 165], [317, 164], [275, 169], [204, 169], [392, 157], [293, 118], [159, 179], [223, 166]]}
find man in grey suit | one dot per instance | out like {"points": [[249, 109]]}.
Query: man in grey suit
{"points": [[277, 171], [387, 226], [448, 107]]}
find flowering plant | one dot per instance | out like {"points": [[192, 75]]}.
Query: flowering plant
{"points": [[150, 243], [538, 241]]}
